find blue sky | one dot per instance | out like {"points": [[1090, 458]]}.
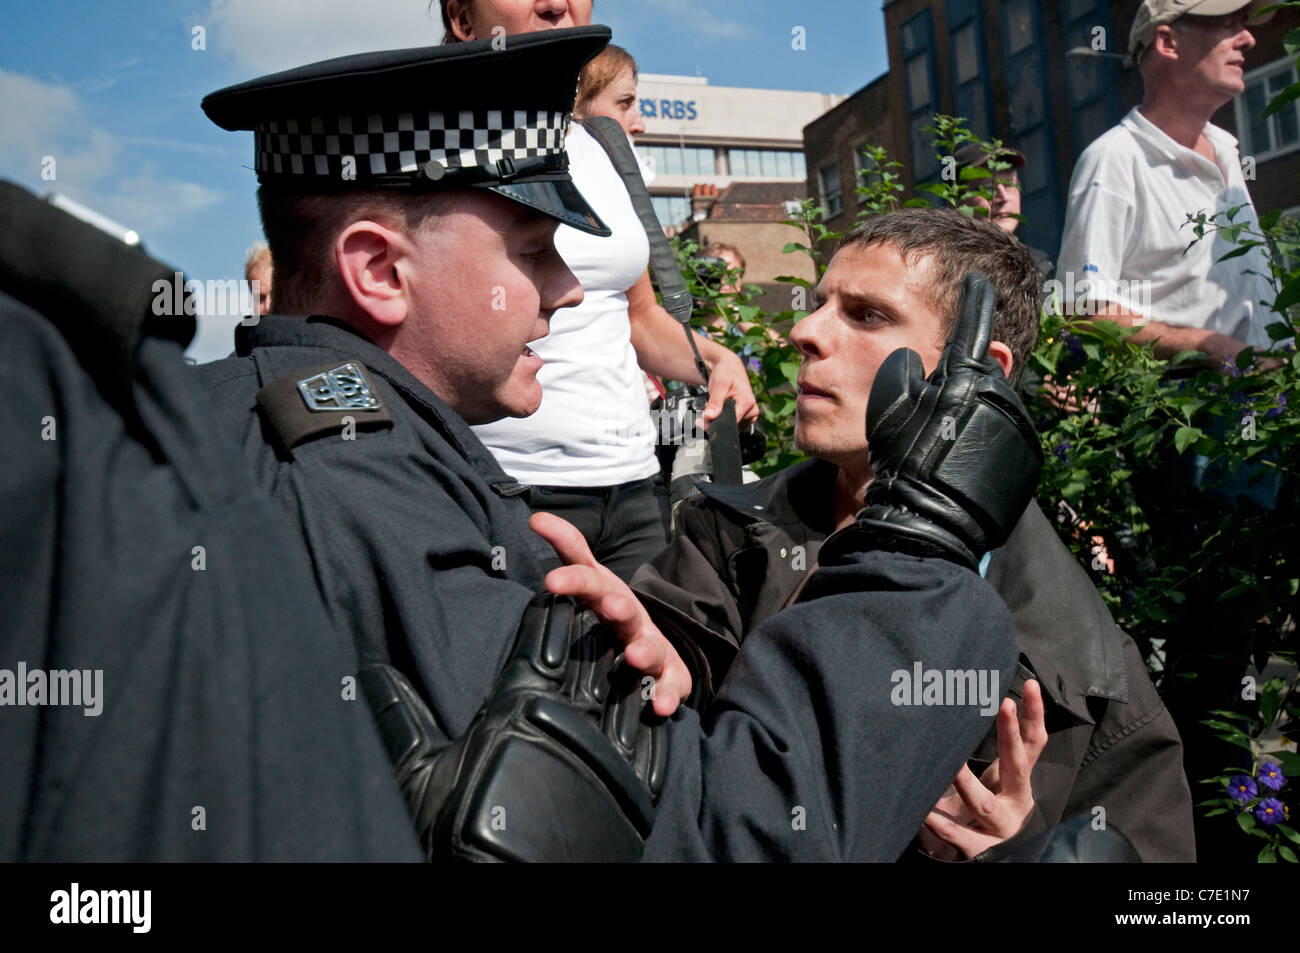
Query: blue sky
{"points": [[111, 90]]}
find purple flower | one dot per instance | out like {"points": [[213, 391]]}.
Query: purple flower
{"points": [[1270, 775], [1130, 600], [1276, 412], [1074, 346], [1062, 450], [1270, 811], [1241, 787], [754, 365]]}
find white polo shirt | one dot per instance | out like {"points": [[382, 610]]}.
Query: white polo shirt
{"points": [[1126, 225]]}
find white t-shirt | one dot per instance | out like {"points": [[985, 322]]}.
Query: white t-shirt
{"points": [[1126, 232], [593, 427]]}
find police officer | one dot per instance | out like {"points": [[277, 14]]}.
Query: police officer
{"points": [[409, 199]]}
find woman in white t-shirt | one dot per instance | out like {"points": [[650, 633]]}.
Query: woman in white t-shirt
{"points": [[588, 453]]}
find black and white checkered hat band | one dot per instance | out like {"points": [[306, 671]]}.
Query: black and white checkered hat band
{"points": [[394, 143]]}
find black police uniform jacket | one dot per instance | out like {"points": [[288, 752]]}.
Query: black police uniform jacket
{"points": [[744, 550], [421, 550], [133, 547]]}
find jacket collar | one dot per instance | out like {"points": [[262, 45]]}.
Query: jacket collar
{"points": [[337, 337]]}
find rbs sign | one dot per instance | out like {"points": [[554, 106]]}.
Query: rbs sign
{"points": [[668, 109]]}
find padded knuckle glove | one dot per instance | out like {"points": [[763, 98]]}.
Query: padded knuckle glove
{"points": [[563, 762]]}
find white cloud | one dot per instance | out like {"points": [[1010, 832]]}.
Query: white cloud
{"points": [[695, 16], [46, 119], [269, 36]]}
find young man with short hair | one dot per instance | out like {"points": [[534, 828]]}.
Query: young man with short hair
{"points": [[745, 552]]}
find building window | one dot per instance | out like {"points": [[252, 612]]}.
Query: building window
{"points": [[1267, 136], [767, 164], [679, 160], [1031, 123], [919, 71], [971, 94], [828, 180], [671, 209], [864, 169]]}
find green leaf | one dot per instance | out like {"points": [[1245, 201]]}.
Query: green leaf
{"points": [[1243, 249], [1287, 854], [790, 371], [1185, 437], [1288, 95], [1289, 295], [1288, 832], [794, 246], [1266, 855], [1216, 812], [1279, 331]]}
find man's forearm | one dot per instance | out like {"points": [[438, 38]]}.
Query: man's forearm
{"points": [[1170, 339], [662, 347]]}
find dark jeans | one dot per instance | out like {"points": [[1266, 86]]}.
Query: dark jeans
{"points": [[624, 524]]}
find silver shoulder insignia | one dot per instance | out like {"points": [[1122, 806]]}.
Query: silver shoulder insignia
{"points": [[342, 388]]}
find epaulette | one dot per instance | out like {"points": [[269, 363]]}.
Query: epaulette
{"points": [[329, 398]]}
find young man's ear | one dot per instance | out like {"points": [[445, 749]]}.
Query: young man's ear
{"points": [[1002, 354], [368, 256], [459, 20]]}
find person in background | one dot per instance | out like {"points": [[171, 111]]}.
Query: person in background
{"points": [[588, 453], [1004, 209], [257, 268], [1126, 231]]}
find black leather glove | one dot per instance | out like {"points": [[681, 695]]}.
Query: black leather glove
{"points": [[955, 458], [562, 763]]}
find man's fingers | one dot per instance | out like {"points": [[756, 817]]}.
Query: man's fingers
{"points": [[565, 538], [1033, 725], [974, 327], [936, 846], [979, 800], [968, 841], [1013, 776]]}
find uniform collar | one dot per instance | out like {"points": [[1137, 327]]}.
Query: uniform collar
{"points": [[1159, 141], [340, 339]]}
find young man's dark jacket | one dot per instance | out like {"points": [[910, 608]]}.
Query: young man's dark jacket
{"points": [[420, 546], [744, 550]]}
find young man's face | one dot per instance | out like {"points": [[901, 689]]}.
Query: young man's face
{"points": [[869, 304], [486, 279], [476, 19]]}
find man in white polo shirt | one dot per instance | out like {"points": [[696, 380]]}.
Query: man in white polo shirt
{"points": [[1126, 231]]}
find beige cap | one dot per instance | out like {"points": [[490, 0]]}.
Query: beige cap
{"points": [[1154, 13]]}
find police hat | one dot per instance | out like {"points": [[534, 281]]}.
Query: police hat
{"points": [[487, 114]]}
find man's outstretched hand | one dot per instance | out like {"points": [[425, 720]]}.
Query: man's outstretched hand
{"points": [[954, 458], [976, 814], [644, 647]]}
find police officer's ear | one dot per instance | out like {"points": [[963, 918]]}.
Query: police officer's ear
{"points": [[1164, 42], [459, 21], [373, 263]]}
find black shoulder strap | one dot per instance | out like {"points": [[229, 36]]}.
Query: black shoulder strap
{"points": [[677, 300], [324, 399], [724, 437]]}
